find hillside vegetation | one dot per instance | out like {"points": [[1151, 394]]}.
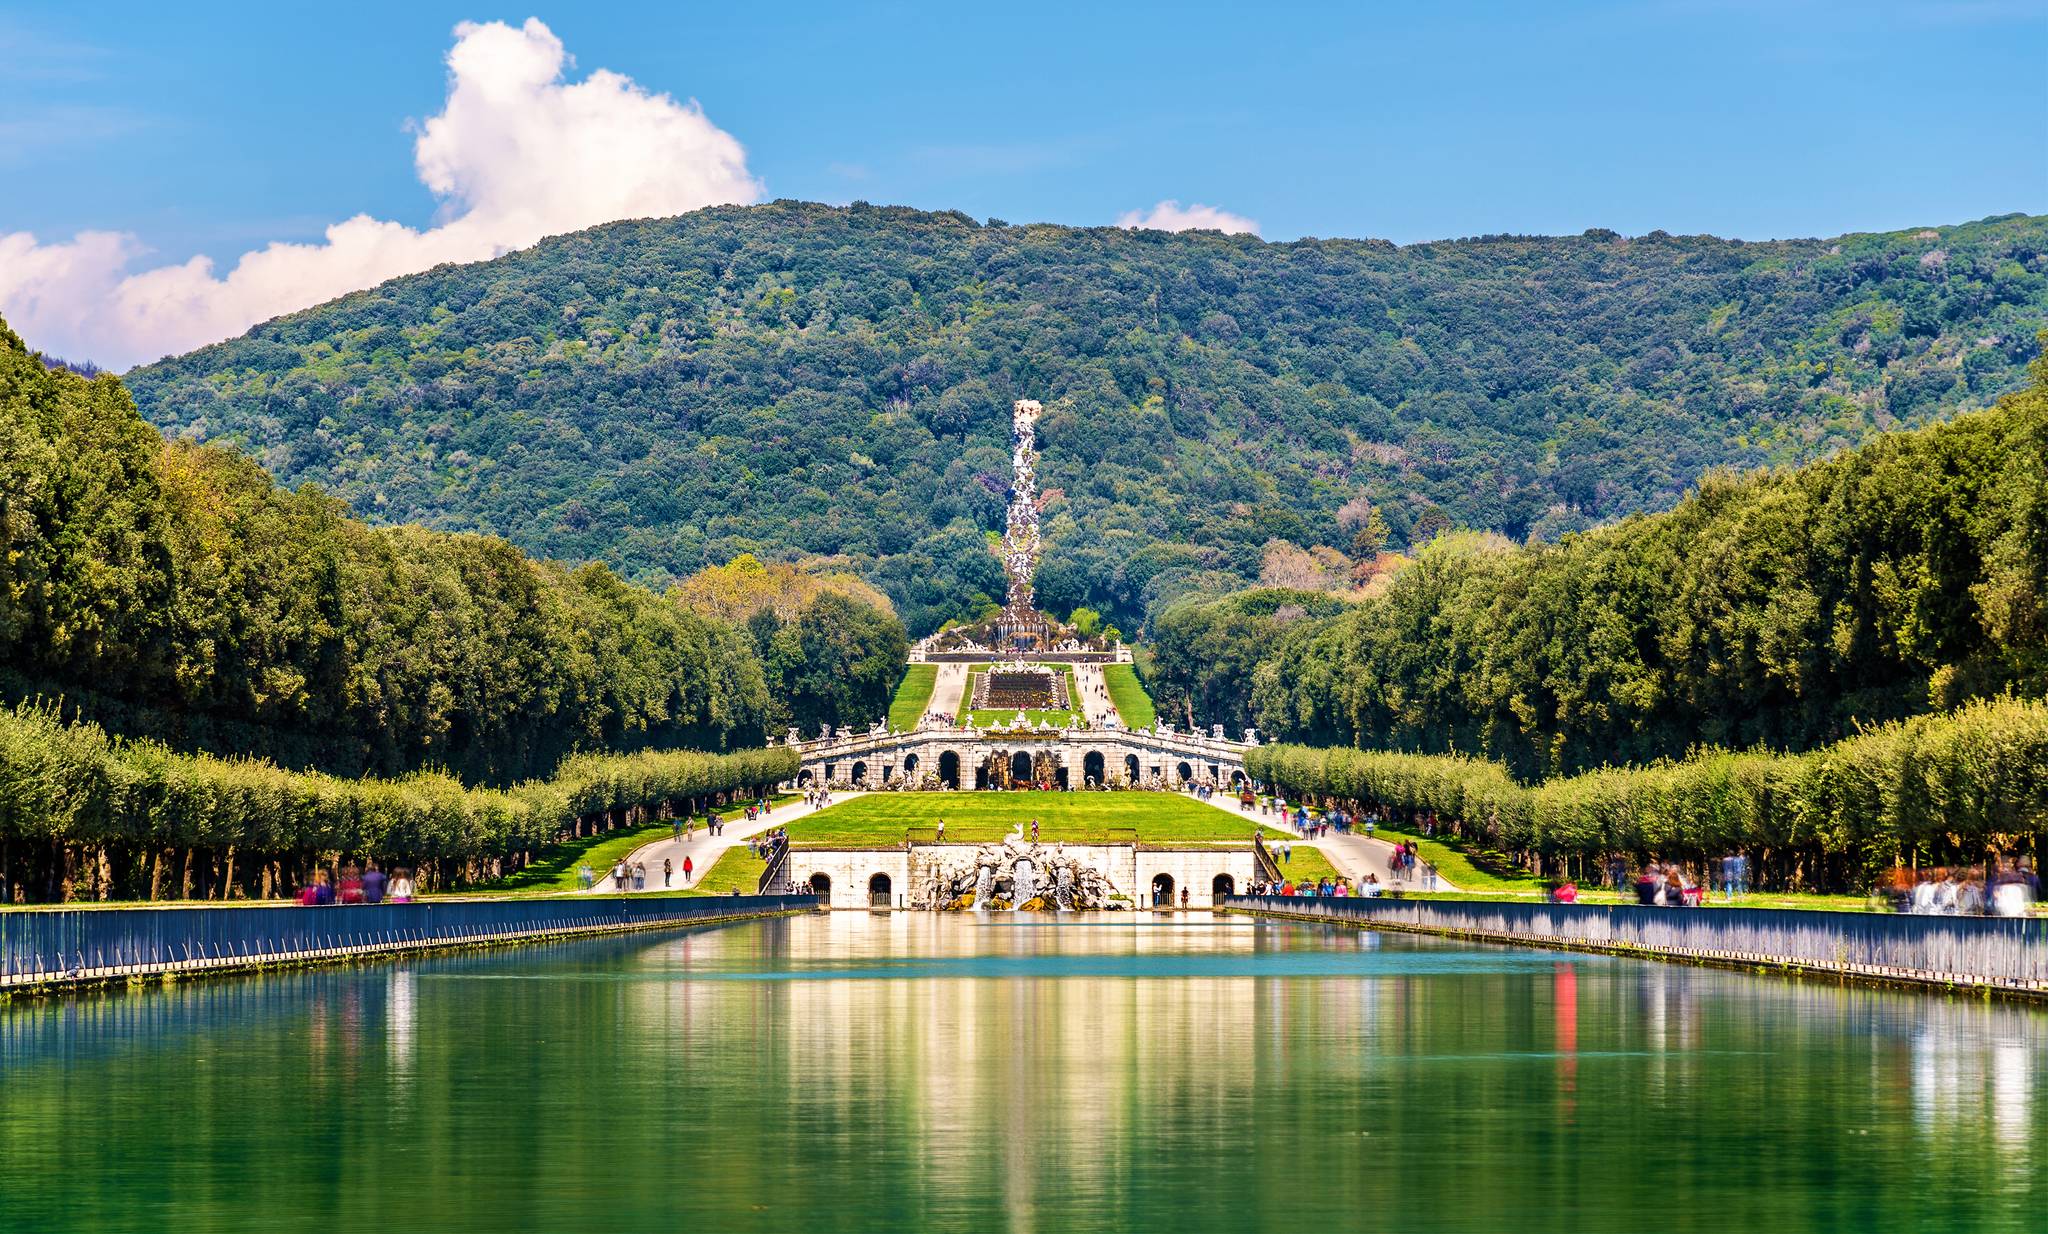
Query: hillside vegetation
{"points": [[801, 381]]}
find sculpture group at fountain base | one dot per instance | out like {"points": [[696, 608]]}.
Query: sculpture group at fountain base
{"points": [[1012, 876]]}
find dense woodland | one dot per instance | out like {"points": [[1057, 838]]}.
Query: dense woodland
{"points": [[1781, 609], [801, 382], [173, 591]]}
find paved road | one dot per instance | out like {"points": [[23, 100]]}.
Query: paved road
{"points": [[1095, 704], [948, 692], [704, 849], [1354, 855]]}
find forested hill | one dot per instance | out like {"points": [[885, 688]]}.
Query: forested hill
{"points": [[798, 380]]}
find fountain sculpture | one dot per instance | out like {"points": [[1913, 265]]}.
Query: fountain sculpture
{"points": [[1013, 875]]}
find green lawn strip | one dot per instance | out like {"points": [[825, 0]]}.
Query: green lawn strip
{"points": [[554, 869], [884, 819], [1454, 862], [913, 695], [1133, 705], [735, 867], [992, 715], [1306, 863]]}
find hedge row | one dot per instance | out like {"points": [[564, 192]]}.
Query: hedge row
{"points": [[72, 784], [1959, 783]]}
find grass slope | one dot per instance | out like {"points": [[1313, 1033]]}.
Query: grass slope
{"points": [[913, 696], [1148, 818], [736, 867], [1133, 705], [1305, 864]]}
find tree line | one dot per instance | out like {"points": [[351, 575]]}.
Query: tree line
{"points": [[84, 815], [1782, 609], [173, 591], [1932, 790]]}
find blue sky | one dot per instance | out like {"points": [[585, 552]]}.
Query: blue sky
{"points": [[218, 130]]}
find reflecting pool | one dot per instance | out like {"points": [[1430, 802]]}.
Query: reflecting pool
{"points": [[922, 1072]]}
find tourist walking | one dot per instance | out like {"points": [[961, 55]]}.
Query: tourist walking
{"points": [[688, 867], [401, 886], [373, 885], [668, 869], [942, 831]]}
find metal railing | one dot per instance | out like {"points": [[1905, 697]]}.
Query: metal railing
{"points": [[775, 877], [1998, 952], [1269, 869], [72, 945]]}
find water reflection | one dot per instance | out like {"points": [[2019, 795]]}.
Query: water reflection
{"points": [[907, 1071]]}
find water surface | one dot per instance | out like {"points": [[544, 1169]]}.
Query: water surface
{"points": [[914, 1072]]}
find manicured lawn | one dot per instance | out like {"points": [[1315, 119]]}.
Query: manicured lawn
{"points": [[554, 869], [913, 696], [1133, 705], [736, 867], [996, 715], [1306, 863], [1148, 818], [1455, 865]]}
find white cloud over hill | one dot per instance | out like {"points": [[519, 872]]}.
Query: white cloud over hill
{"points": [[1172, 216], [517, 154]]}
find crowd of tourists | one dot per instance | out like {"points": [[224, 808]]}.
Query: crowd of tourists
{"points": [[2003, 889], [353, 884], [1338, 887]]}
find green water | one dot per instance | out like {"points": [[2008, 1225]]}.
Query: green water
{"points": [[912, 1072]]}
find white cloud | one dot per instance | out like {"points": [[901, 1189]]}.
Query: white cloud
{"points": [[516, 154], [1172, 216]]}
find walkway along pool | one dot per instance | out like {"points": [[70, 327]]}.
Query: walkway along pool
{"points": [[2007, 956], [55, 949], [922, 1071]]}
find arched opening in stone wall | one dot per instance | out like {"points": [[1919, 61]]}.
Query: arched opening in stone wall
{"points": [[1237, 779], [1131, 768], [1162, 891], [910, 768], [878, 891], [981, 780], [1092, 768], [821, 886], [1059, 778], [1186, 772], [949, 769], [803, 777], [1222, 885], [860, 773], [1020, 767]]}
